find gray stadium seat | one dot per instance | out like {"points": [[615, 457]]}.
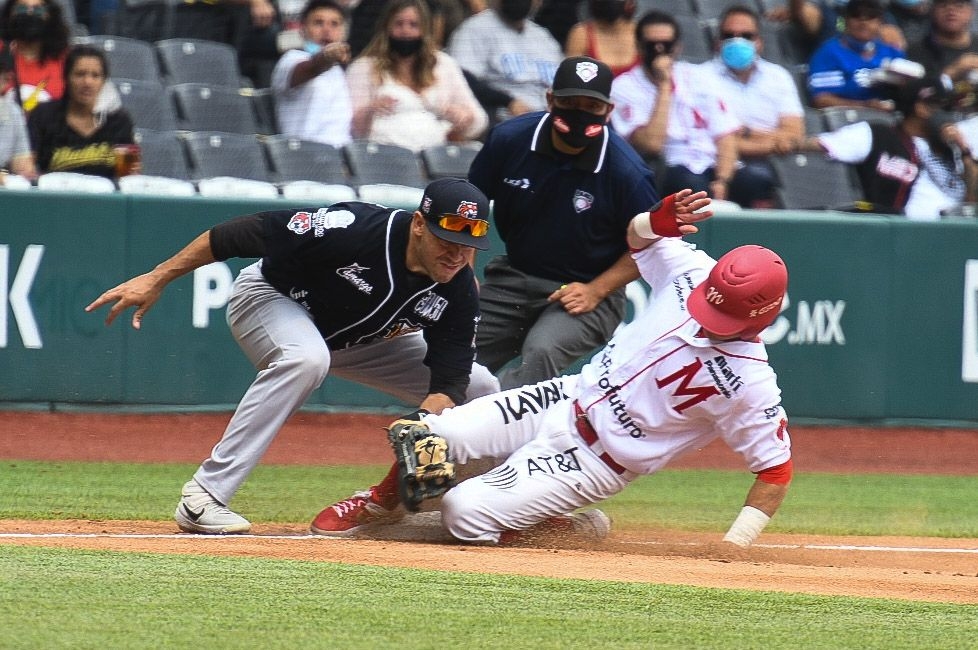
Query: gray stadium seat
{"points": [[371, 163], [163, 154], [147, 104], [188, 60], [449, 159], [201, 107], [128, 58], [215, 153], [301, 160], [812, 181]]}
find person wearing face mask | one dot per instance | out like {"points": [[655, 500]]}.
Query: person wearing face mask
{"points": [[565, 187], [607, 35], [669, 109], [764, 98], [312, 100], [508, 59], [817, 21], [37, 36], [840, 72], [406, 92]]}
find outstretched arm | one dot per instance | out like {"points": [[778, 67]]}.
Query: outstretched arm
{"points": [[763, 500], [144, 290]]}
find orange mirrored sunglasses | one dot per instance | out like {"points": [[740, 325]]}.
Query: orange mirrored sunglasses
{"points": [[457, 223]]}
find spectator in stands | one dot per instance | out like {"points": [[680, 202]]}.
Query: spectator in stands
{"points": [[311, 96], [912, 17], [15, 148], [446, 15], [841, 70], [763, 97], [608, 35], [817, 21], [37, 36], [670, 109], [949, 51], [558, 17], [509, 60], [78, 132], [909, 168], [406, 92]]}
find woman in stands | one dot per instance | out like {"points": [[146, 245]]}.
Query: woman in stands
{"points": [[608, 36], [406, 92], [38, 39], [80, 132]]}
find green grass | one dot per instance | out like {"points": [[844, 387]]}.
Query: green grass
{"points": [[86, 599], [703, 500]]}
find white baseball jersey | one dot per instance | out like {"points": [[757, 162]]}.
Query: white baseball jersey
{"points": [[655, 391]]}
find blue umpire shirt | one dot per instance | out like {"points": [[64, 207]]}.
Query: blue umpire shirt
{"points": [[562, 217]]}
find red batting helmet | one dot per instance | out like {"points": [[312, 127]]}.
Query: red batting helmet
{"points": [[743, 293]]}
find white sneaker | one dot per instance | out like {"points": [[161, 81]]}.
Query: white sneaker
{"points": [[198, 512], [589, 526]]}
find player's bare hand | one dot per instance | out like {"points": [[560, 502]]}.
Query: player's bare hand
{"points": [[689, 208], [140, 292], [577, 298]]}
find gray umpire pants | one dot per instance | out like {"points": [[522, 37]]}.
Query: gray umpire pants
{"points": [[517, 321], [281, 341]]}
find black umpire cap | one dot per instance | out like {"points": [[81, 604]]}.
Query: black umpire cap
{"points": [[583, 76], [457, 211]]}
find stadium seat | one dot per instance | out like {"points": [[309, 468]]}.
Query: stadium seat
{"points": [[201, 107], [188, 60], [812, 181], [301, 160], [220, 154], [147, 104], [696, 45], [163, 154], [449, 159], [837, 117], [238, 188], [323, 193], [263, 106], [143, 185], [814, 121], [128, 58], [372, 163], [73, 182]]}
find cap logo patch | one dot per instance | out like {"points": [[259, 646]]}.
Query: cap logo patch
{"points": [[714, 296], [468, 209], [587, 70], [426, 205]]}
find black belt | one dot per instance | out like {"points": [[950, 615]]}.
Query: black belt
{"points": [[590, 436]]}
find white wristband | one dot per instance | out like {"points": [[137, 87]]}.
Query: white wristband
{"points": [[746, 527], [643, 226]]}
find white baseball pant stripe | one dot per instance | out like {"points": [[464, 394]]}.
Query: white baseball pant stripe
{"points": [[281, 341], [549, 471]]}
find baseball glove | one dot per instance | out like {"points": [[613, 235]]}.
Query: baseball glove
{"points": [[423, 468]]}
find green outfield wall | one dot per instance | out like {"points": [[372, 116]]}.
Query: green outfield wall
{"points": [[881, 321]]}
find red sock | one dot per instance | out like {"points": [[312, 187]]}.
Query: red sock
{"points": [[385, 492]]}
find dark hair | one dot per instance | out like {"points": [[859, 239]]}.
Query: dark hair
{"points": [[54, 42], [313, 5], [656, 18], [739, 9], [81, 52], [863, 8]]}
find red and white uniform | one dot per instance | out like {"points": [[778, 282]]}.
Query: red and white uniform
{"points": [[657, 390]]}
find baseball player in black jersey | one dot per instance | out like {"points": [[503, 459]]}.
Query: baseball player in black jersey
{"points": [[375, 295]]}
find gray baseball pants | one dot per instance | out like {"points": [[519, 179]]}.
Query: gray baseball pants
{"points": [[281, 341]]}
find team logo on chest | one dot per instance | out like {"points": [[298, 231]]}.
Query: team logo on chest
{"points": [[582, 201], [431, 306], [300, 223], [352, 273]]}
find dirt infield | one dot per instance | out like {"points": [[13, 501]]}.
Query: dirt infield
{"points": [[926, 569]]}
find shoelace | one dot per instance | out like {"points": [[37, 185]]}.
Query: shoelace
{"points": [[344, 508]]}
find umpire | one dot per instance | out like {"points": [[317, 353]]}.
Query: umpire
{"points": [[375, 295], [565, 187]]}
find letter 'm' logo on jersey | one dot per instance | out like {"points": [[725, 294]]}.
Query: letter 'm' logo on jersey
{"points": [[300, 223], [352, 275], [468, 209], [431, 306], [685, 377], [582, 201]]}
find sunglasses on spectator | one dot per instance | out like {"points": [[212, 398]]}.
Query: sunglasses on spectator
{"points": [[750, 36], [458, 223]]}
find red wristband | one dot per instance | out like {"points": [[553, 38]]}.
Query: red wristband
{"points": [[663, 217]]}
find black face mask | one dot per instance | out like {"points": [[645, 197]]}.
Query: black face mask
{"points": [[405, 46], [515, 10], [27, 27], [575, 127], [607, 11], [652, 50]]}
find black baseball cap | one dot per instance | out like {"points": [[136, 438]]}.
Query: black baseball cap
{"points": [[583, 76], [455, 197], [867, 8]]}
